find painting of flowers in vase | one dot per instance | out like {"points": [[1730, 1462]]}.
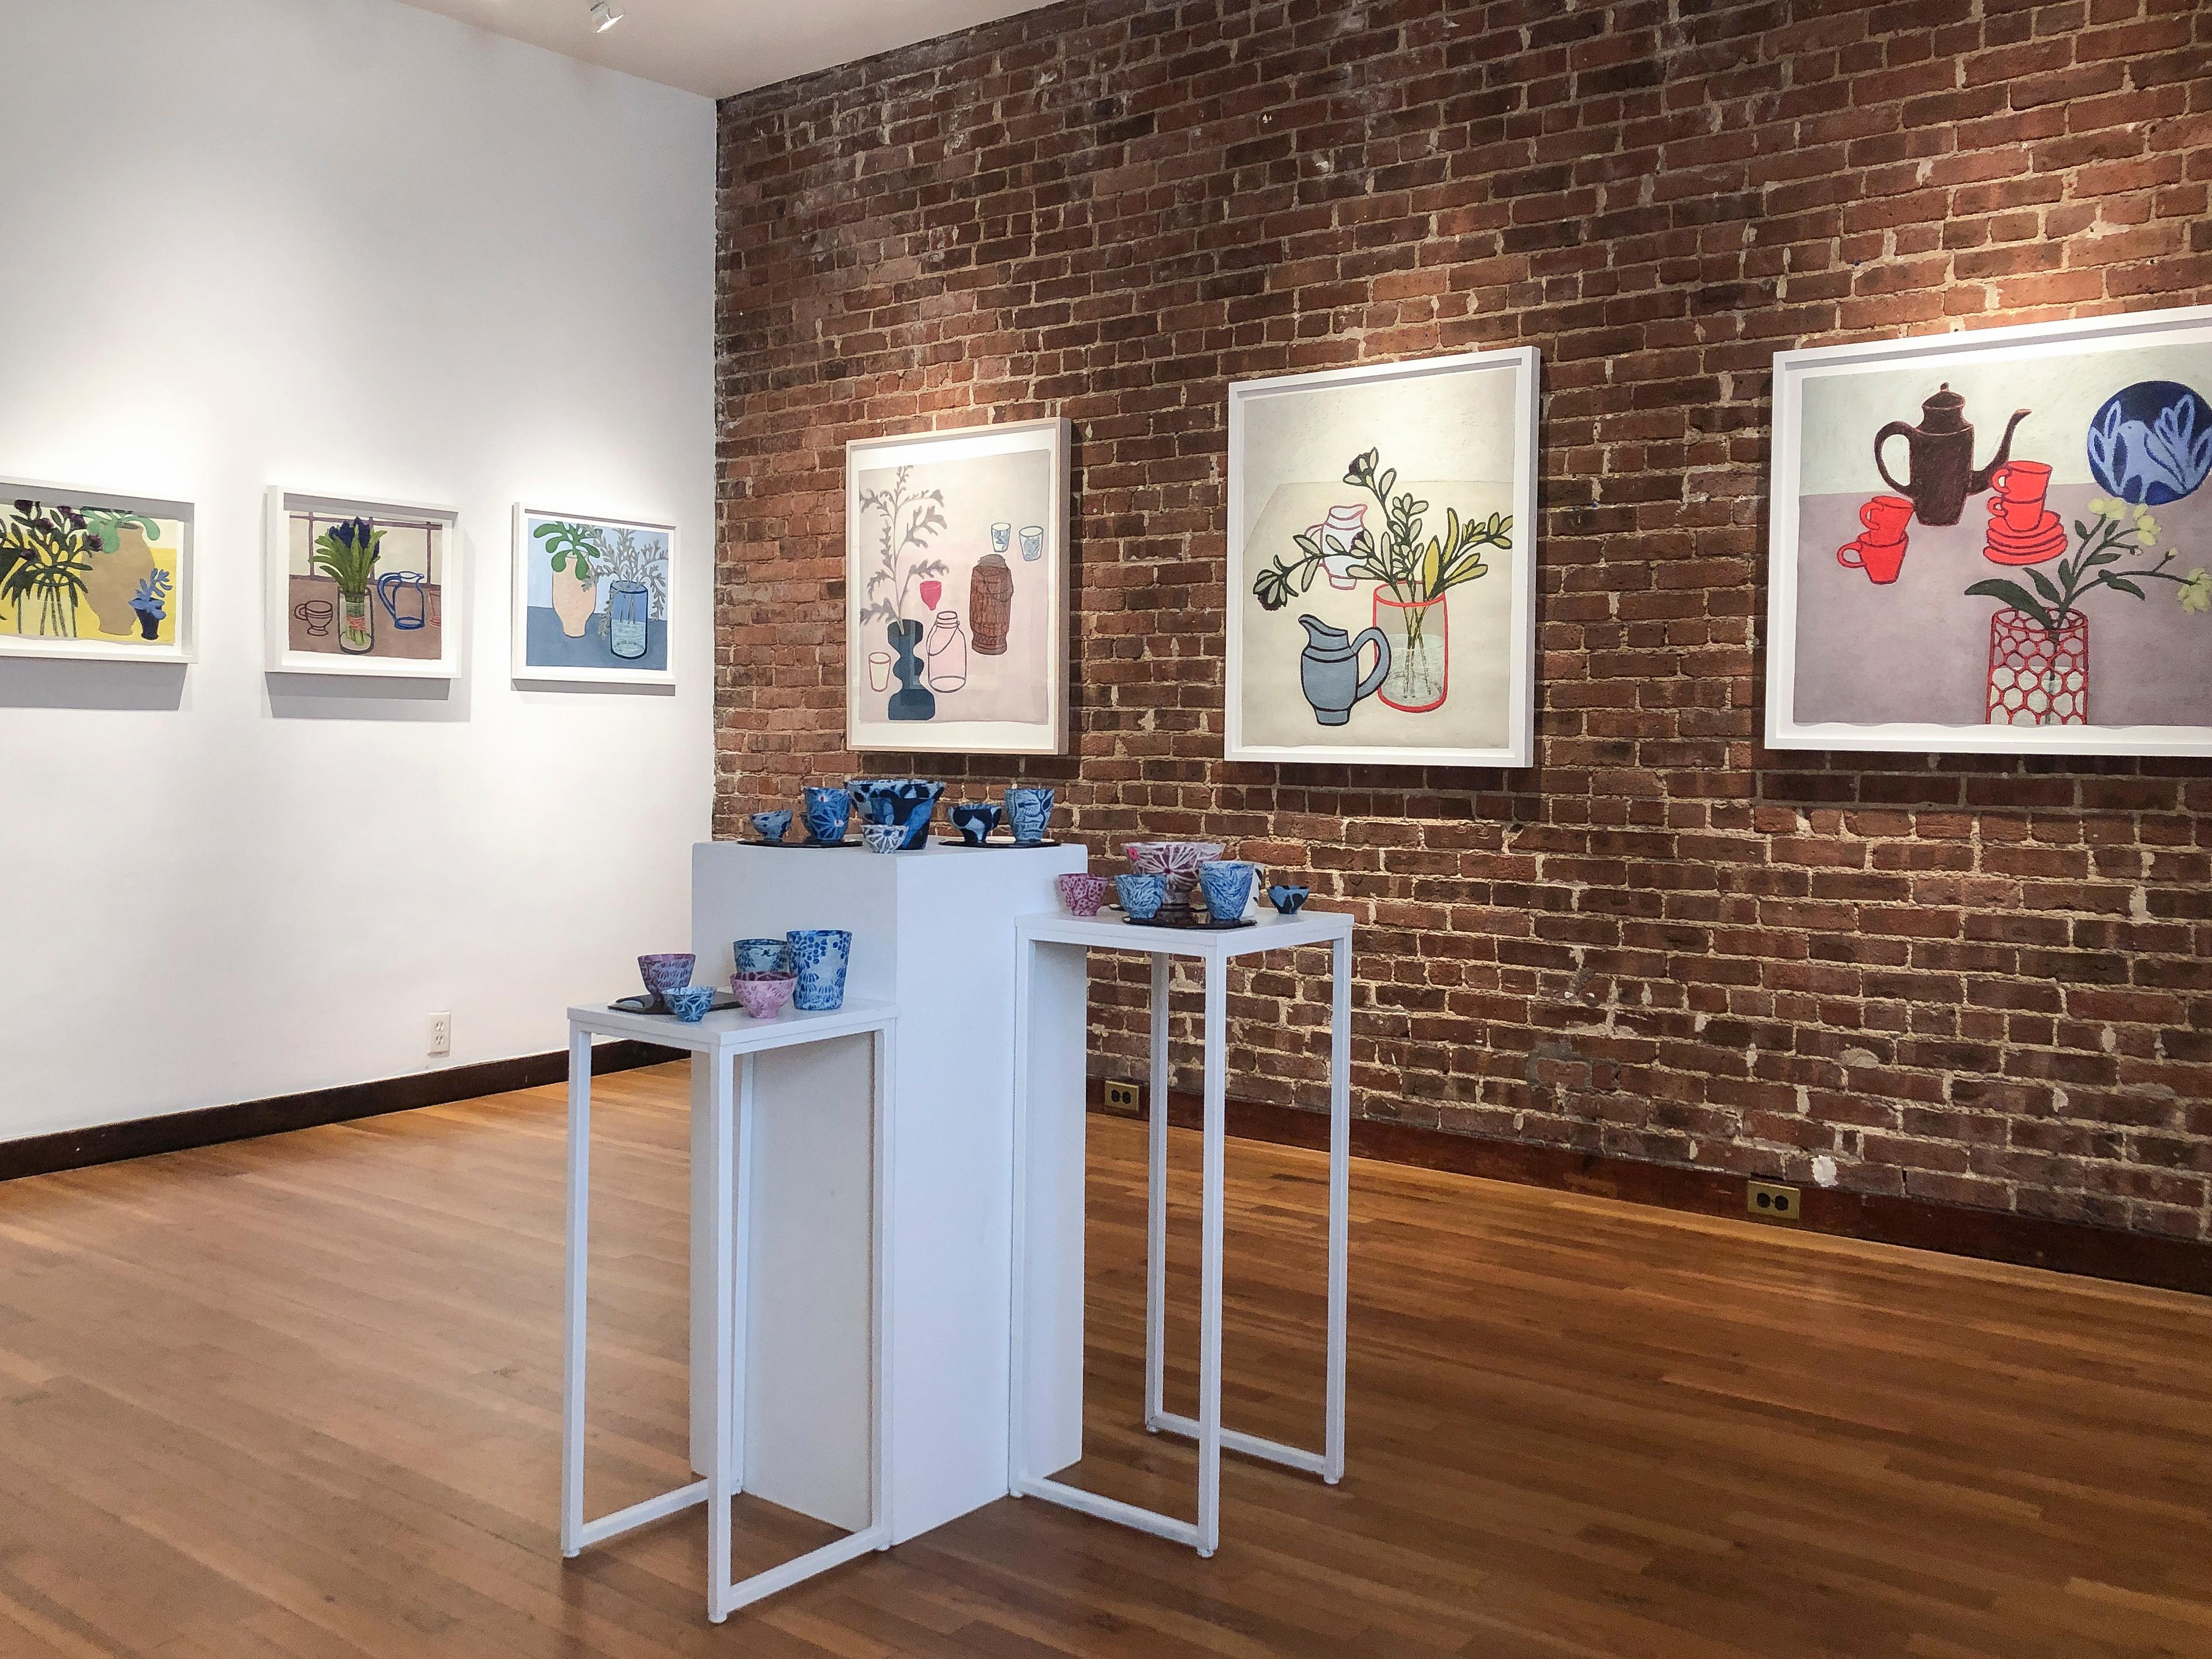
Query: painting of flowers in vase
{"points": [[1995, 543], [1381, 576], [362, 587], [88, 575], [956, 591], [591, 599]]}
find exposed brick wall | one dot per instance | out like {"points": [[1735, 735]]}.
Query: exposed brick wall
{"points": [[1977, 981]]}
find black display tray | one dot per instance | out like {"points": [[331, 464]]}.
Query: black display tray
{"points": [[1193, 926], [643, 1003], [819, 846], [996, 846]]}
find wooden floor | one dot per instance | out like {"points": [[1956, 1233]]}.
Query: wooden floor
{"points": [[297, 1399]]}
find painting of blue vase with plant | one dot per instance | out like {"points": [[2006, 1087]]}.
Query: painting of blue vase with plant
{"points": [[592, 599], [86, 575]]}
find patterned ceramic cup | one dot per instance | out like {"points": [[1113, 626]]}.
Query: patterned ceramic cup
{"points": [[1287, 899], [1028, 810], [1141, 894], [820, 955], [908, 802], [975, 820], [761, 955], [665, 973], [1178, 860], [1082, 892], [764, 995], [1227, 885], [688, 1003], [771, 826], [884, 837], [828, 812]]}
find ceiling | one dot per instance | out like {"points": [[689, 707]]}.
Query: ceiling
{"points": [[720, 46]]}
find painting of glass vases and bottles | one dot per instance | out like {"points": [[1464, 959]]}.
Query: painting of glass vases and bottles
{"points": [[362, 587], [1381, 572], [956, 591], [592, 599], [88, 575], [1998, 542]]}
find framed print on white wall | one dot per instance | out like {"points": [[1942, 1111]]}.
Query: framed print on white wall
{"points": [[1995, 543], [362, 587], [593, 599], [1382, 563], [956, 591], [87, 573]]}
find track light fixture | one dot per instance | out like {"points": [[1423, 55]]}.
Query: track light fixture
{"points": [[604, 17]]}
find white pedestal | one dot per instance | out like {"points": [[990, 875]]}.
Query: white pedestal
{"points": [[933, 930]]}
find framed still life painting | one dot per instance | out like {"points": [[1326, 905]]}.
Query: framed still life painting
{"points": [[362, 587], [1995, 543], [955, 549], [85, 573], [1381, 568], [592, 599]]}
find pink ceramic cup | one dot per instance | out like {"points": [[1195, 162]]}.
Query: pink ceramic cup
{"points": [[764, 995], [1082, 892]]}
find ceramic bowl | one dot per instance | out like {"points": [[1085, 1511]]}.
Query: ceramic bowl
{"points": [[1028, 813], [1178, 860], [665, 972], [908, 802], [1141, 894], [761, 955], [772, 826], [764, 995], [975, 820], [1286, 899], [884, 837], [1082, 893], [1227, 885], [828, 812], [688, 1003]]}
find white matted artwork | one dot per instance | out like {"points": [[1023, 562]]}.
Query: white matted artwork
{"points": [[87, 573], [955, 549], [1995, 543], [593, 599], [1382, 567], [362, 587]]}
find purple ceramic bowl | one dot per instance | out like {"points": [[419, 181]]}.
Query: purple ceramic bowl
{"points": [[764, 995], [1082, 893], [1178, 860], [665, 972]]}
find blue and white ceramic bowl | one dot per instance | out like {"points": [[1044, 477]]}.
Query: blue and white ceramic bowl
{"points": [[1028, 810], [828, 812], [975, 820], [1227, 885], [884, 837], [771, 826], [908, 802], [820, 955], [690, 1003], [761, 955], [1287, 899], [1141, 896]]}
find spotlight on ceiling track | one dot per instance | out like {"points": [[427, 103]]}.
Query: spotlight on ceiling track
{"points": [[604, 17]]}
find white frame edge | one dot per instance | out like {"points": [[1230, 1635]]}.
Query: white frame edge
{"points": [[518, 605], [1520, 748]]}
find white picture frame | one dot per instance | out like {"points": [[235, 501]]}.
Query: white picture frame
{"points": [[2092, 363], [100, 608], [597, 640], [1495, 724], [1004, 493], [444, 610]]}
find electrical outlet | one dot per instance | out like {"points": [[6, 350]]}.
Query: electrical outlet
{"points": [[1769, 1202], [1121, 1096], [441, 1034]]}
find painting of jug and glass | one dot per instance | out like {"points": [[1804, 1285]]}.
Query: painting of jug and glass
{"points": [[1997, 542], [1380, 575], [956, 591], [361, 587]]}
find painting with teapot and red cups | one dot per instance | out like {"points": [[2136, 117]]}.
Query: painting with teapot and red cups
{"points": [[1995, 541], [1381, 566]]}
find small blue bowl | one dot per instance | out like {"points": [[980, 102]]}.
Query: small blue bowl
{"points": [[1288, 900], [974, 821], [690, 1003], [761, 955], [772, 826], [1141, 896]]}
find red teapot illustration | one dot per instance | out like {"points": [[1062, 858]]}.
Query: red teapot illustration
{"points": [[1939, 458]]}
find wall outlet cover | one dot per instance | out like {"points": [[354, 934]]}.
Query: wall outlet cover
{"points": [[441, 1034]]}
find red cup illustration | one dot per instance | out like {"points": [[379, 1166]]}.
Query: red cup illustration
{"points": [[931, 592], [2016, 493], [1886, 518], [1882, 561]]}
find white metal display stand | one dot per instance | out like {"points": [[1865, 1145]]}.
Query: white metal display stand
{"points": [[722, 1143], [1043, 1278]]}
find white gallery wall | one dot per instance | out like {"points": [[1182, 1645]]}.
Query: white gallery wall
{"points": [[351, 247]]}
